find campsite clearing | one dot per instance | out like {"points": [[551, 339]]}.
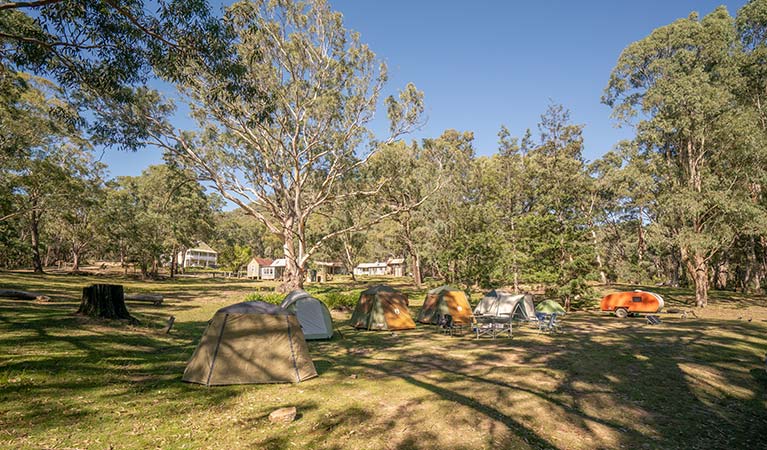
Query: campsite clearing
{"points": [[71, 382]]}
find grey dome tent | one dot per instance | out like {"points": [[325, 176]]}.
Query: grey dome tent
{"points": [[251, 342], [499, 303], [312, 314]]}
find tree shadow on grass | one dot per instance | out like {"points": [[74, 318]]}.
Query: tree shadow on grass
{"points": [[52, 360], [678, 385]]}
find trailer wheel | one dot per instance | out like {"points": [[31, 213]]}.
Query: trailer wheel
{"points": [[621, 313]]}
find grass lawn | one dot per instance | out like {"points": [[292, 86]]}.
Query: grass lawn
{"points": [[69, 382]]}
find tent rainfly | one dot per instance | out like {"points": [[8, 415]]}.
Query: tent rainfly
{"points": [[251, 342], [445, 300], [550, 306], [312, 314], [382, 308], [498, 303]]}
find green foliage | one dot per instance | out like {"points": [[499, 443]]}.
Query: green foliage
{"points": [[269, 297], [694, 91], [155, 214], [330, 299], [99, 51], [234, 258], [338, 299], [237, 237], [292, 155]]}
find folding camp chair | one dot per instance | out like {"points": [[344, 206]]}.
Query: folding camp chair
{"points": [[492, 326], [653, 320], [448, 326], [548, 323], [541, 319]]}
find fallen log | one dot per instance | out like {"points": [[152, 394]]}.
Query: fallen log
{"points": [[155, 299], [22, 295]]}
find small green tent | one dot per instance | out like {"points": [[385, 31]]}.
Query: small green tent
{"points": [[550, 307]]}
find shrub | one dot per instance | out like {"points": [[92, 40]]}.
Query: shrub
{"points": [[338, 299], [267, 297]]}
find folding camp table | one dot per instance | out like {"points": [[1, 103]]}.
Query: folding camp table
{"points": [[493, 326]]}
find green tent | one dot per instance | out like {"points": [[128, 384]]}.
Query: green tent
{"points": [[251, 342], [550, 307]]}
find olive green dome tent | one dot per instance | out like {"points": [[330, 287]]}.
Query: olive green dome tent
{"points": [[382, 308], [550, 307], [312, 314], [251, 342]]}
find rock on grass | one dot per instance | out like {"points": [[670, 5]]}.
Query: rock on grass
{"points": [[283, 415]]}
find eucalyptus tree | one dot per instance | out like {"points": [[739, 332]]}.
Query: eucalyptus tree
{"points": [[751, 23], [416, 177], [556, 233], [278, 142], [680, 86], [347, 246], [153, 216], [76, 221], [447, 160], [476, 247], [38, 161], [98, 50], [507, 182], [234, 233]]}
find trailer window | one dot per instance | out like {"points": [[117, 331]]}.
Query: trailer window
{"points": [[636, 299]]}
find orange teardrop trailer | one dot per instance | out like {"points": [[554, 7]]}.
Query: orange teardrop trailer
{"points": [[623, 303]]}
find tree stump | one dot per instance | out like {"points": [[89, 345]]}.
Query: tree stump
{"points": [[106, 301]]}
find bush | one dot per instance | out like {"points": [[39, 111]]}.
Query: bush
{"points": [[267, 297], [330, 299], [338, 299]]}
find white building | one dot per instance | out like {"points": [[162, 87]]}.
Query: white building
{"points": [[396, 267], [256, 265], [274, 270], [374, 268], [200, 255], [393, 266]]}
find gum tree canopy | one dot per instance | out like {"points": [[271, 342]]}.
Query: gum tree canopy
{"points": [[684, 87], [286, 142], [99, 51]]}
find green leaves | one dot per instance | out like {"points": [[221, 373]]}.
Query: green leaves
{"points": [[695, 88]]}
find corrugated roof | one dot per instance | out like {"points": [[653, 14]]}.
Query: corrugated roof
{"points": [[203, 247], [280, 262], [396, 260], [262, 261], [371, 265], [329, 263]]}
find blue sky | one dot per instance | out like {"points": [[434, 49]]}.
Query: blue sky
{"points": [[482, 64]]}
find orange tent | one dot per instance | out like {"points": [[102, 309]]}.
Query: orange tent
{"points": [[382, 308], [445, 300]]}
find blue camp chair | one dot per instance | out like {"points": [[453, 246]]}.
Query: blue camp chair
{"points": [[547, 323]]}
